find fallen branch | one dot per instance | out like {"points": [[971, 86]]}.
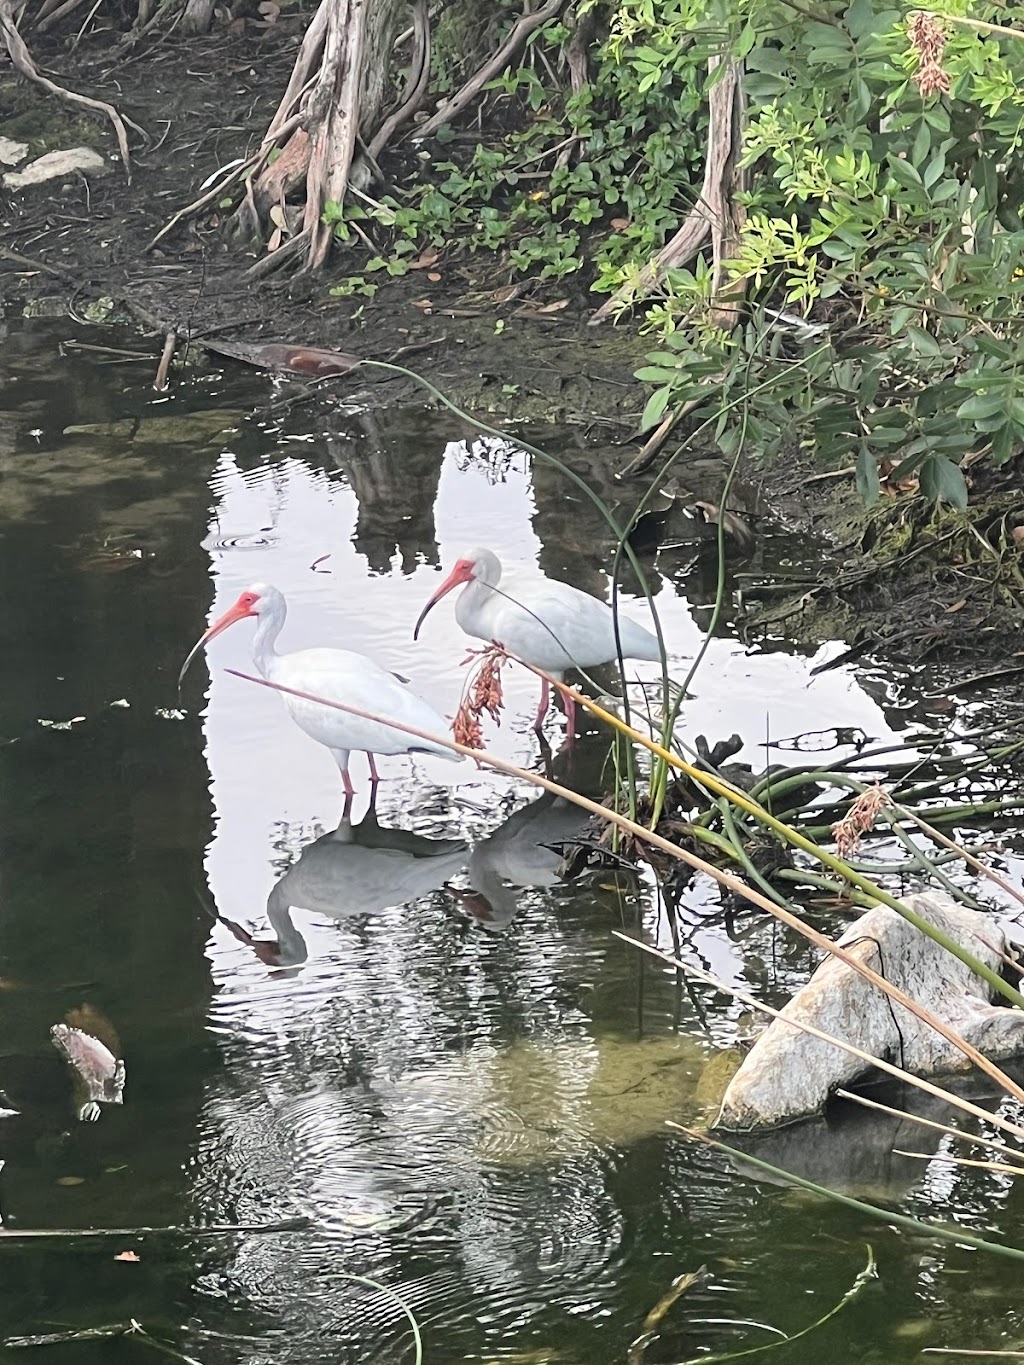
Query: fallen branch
{"points": [[131, 1328], [492, 67], [214, 1230], [23, 63]]}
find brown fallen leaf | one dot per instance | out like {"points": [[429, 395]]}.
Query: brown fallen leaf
{"points": [[1017, 535], [536, 310], [425, 304], [126, 1256], [425, 259], [433, 276], [620, 224], [957, 606]]}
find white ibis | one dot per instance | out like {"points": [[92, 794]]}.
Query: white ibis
{"points": [[550, 625], [337, 675]]}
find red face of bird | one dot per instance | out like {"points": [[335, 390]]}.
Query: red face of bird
{"points": [[464, 572], [247, 605]]}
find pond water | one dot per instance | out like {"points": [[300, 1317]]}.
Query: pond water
{"points": [[465, 1094]]}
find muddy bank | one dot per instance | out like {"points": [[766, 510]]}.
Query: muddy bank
{"points": [[894, 583]]}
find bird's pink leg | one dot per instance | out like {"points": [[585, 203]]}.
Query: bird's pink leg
{"points": [[570, 719], [374, 774], [545, 702], [346, 780]]}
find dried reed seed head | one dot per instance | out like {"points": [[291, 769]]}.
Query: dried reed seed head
{"points": [[859, 819], [928, 39], [467, 730], [483, 693]]}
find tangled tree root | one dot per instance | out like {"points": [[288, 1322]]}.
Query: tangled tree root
{"points": [[23, 63], [328, 130]]}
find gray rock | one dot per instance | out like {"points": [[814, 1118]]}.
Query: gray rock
{"points": [[789, 1075]]}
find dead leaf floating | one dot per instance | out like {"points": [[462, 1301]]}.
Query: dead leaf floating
{"points": [[126, 1256]]}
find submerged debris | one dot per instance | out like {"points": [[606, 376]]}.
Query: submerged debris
{"points": [[99, 1075]]}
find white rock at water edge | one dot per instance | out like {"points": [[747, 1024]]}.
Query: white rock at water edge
{"points": [[789, 1075], [56, 164]]}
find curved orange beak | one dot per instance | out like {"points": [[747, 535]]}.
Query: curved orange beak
{"points": [[462, 573], [241, 609]]}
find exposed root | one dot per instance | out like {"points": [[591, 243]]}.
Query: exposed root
{"points": [[23, 63], [416, 86], [491, 68], [50, 15], [715, 215]]}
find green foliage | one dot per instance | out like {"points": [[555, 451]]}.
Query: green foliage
{"points": [[888, 218], [589, 181], [895, 219]]}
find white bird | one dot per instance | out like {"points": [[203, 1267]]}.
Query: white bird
{"points": [[337, 675], [548, 624]]}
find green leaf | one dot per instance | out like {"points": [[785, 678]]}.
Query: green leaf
{"points": [[942, 481], [861, 93], [746, 40], [923, 342], [655, 409], [1004, 443], [868, 485], [654, 374], [905, 174], [982, 406], [860, 18], [922, 144], [935, 169]]}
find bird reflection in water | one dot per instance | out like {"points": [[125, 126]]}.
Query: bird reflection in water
{"points": [[361, 869], [354, 871], [524, 851]]}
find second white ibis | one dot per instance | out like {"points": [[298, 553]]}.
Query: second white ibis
{"points": [[337, 675], [548, 624]]}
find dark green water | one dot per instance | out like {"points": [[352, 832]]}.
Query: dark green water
{"points": [[465, 1097]]}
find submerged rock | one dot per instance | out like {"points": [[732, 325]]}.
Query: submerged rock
{"points": [[789, 1075]]}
